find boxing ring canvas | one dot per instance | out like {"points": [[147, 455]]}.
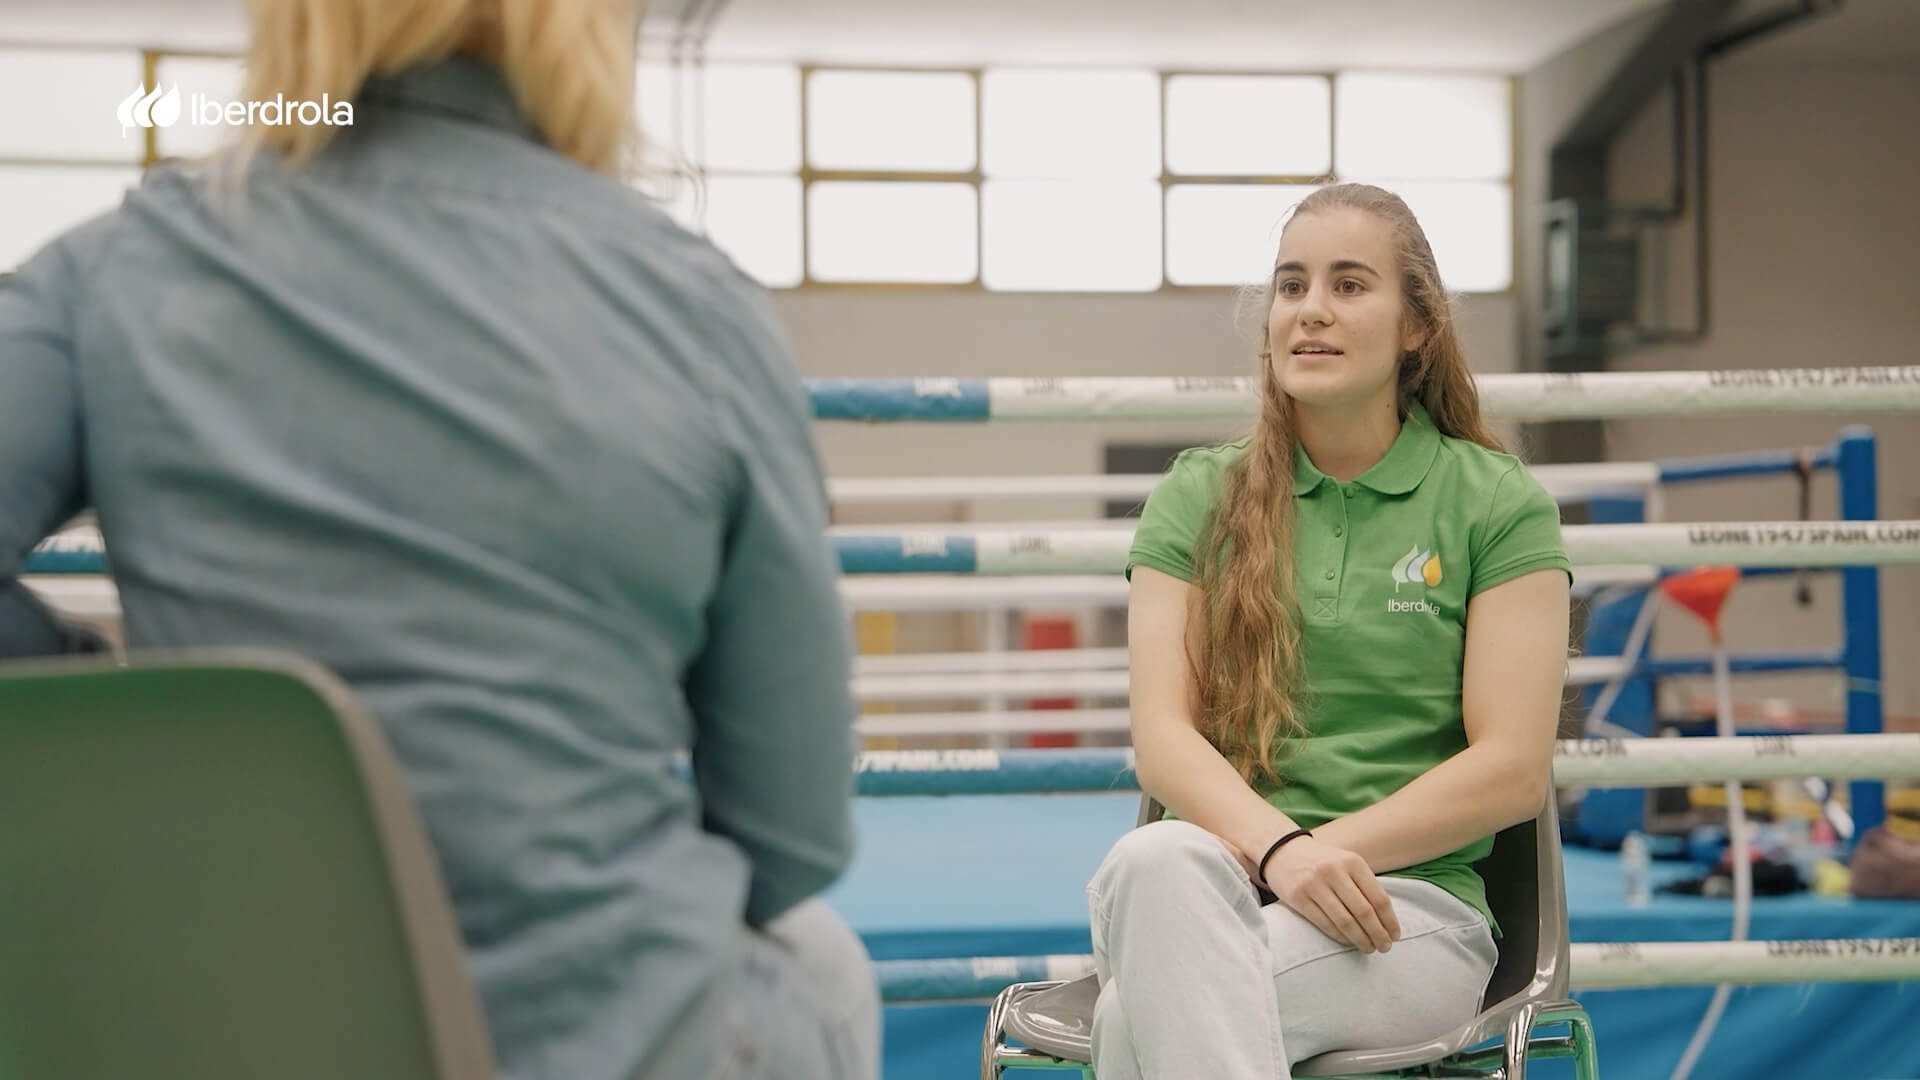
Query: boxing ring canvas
{"points": [[1003, 875]]}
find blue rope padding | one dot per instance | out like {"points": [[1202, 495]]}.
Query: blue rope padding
{"points": [[899, 399]]}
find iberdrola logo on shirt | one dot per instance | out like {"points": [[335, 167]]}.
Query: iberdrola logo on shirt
{"points": [[1417, 567]]}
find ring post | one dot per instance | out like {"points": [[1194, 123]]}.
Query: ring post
{"points": [[1860, 621]]}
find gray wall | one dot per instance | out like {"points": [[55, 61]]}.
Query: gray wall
{"points": [[1547, 100], [1814, 262]]}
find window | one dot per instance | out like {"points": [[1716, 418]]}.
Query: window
{"points": [[1049, 125], [731, 118], [64, 157], [44, 201], [1055, 235], [1071, 191], [1249, 125], [1423, 127], [1049, 180], [755, 220], [211, 78], [876, 232], [723, 157], [1443, 143], [1010, 179], [62, 105], [1225, 234], [1469, 226], [892, 121]]}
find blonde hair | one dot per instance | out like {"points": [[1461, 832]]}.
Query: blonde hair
{"points": [[1251, 692], [570, 63]]}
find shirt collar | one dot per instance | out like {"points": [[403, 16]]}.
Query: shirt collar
{"points": [[461, 87], [1406, 463]]}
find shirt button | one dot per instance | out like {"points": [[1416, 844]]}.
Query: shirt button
{"points": [[1347, 491], [1337, 530], [1329, 575]]}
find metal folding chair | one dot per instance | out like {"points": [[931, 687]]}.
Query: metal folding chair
{"points": [[213, 871], [1050, 1024]]}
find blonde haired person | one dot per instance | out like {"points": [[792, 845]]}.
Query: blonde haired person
{"points": [[438, 401], [1347, 633]]}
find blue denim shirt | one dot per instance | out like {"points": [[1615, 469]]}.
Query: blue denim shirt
{"points": [[530, 467]]}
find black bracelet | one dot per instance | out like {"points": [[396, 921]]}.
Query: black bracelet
{"points": [[1260, 867]]}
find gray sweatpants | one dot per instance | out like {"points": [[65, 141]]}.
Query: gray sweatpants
{"points": [[803, 1005], [1197, 978]]}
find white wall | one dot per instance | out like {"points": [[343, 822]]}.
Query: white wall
{"points": [[1815, 262]]}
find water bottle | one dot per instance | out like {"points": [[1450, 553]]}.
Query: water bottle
{"points": [[1636, 869], [1799, 848]]}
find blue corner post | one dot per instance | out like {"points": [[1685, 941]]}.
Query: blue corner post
{"points": [[1860, 620]]}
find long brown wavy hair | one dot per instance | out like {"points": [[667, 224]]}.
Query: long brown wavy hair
{"points": [[1251, 695]]}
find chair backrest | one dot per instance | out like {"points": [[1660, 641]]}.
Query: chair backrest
{"points": [[210, 869], [1527, 894]]}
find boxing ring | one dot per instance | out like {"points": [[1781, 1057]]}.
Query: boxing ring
{"points": [[973, 859], [996, 862]]}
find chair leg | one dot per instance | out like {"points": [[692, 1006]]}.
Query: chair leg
{"points": [[1519, 1034], [1579, 1039], [996, 1056], [990, 1039], [1586, 1062]]}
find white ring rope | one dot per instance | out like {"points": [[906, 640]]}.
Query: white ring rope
{"points": [[1567, 483], [1041, 681], [936, 686], [937, 529], [1616, 965], [1569, 396], [953, 663], [999, 549], [949, 592], [94, 596], [1576, 762], [1668, 762], [865, 490], [1008, 722]]}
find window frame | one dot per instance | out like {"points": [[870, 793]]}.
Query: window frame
{"points": [[149, 61]]}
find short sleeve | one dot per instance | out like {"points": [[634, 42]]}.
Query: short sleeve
{"points": [[1521, 534], [1175, 515]]}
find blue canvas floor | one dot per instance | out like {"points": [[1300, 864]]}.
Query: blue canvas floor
{"points": [[967, 876]]}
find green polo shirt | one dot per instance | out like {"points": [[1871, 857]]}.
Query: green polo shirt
{"points": [[1384, 565]]}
